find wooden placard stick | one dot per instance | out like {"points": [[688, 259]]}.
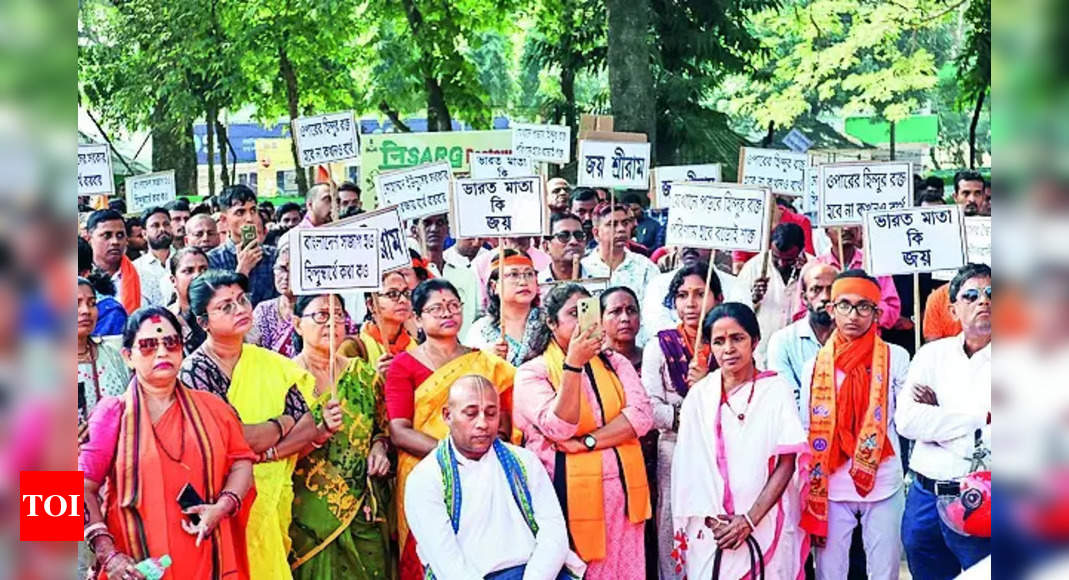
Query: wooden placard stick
{"points": [[916, 312], [575, 267], [334, 201], [333, 353], [701, 320], [612, 225], [501, 281], [842, 257]]}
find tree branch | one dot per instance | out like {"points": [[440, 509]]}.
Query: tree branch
{"points": [[394, 118]]}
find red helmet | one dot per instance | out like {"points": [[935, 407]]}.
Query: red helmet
{"points": [[969, 512]]}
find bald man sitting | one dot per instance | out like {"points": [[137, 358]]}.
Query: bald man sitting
{"points": [[482, 508]]}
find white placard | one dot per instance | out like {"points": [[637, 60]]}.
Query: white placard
{"points": [[723, 216], [912, 240], [495, 165], [508, 207], [149, 190], [847, 190], [593, 285], [809, 204], [324, 138], [781, 171], [94, 170], [393, 245], [615, 164], [552, 143], [326, 260], [417, 192], [664, 176], [978, 239]]}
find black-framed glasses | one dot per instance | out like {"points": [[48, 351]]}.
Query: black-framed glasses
{"points": [[562, 237], [397, 295], [862, 308], [973, 294], [148, 346], [323, 316]]}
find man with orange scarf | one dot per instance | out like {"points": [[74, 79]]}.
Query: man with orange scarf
{"points": [[855, 476], [106, 233]]}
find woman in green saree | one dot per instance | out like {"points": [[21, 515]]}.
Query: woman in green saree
{"points": [[339, 527]]}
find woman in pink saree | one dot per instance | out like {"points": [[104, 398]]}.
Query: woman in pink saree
{"points": [[740, 440]]}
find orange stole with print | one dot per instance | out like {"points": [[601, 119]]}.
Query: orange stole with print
{"points": [[832, 441], [586, 500]]}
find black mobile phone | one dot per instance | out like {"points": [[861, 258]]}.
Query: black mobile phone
{"points": [[82, 410], [188, 498]]}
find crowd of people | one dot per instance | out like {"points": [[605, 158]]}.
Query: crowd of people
{"points": [[732, 414]]}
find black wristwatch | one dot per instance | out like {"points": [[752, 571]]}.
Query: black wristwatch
{"points": [[589, 441], [569, 367]]}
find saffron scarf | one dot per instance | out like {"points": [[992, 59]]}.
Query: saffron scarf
{"points": [[848, 424], [372, 337], [131, 285], [582, 473]]}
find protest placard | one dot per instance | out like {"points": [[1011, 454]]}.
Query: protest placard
{"points": [[495, 165], [513, 206], [417, 192], [614, 164], [781, 171], [392, 151], [913, 240], [393, 245], [977, 244], [593, 285], [323, 138], [551, 143], [665, 175], [149, 190], [94, 170], [325, 260], [848, 190], [723, 216]]}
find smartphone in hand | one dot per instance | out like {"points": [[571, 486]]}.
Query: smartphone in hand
{"points": [[248, 235], [589, 314], [188, 498]]}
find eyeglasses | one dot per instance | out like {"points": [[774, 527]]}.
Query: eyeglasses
{"points": [[562, 237], [149, 346], [322, 317], [449, 308], [973, 294], [862, 308], [397, 295], [521, 276], [231, 308]]}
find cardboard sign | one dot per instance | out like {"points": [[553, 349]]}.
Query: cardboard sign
{"points": [[393, 245], [781, 171], [417, 192], [809, 204], [723, 216], [665, 176], [149, 190], [514, 206], [326, 260], [911, 240], [551, 143], [848, 190], [978, 239], [495, 165], [323, 138], [614, 164], [593, 285], [94, 170]]}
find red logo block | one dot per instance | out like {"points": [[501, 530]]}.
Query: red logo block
{"points": [[50, 506]]}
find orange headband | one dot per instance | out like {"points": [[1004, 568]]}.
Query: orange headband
{"points": [[859, 286], [513, 260]]}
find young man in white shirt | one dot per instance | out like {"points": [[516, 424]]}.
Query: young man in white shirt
{"points": [[947, 412], [463, 500], [856, 474], [612, 230], [152, 266]]}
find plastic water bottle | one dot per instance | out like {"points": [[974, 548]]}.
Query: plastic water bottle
{"points": [[153, 568]]}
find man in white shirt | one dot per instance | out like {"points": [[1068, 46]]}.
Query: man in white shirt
{"points": [[948, 415], [565, 245], [612, 230], [453, 266], [465, 499], [856, 474], [152, 266], [769, 283]]}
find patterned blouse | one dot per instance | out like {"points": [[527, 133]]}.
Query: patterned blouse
{"points": [[486, 331], [273, 331], [112, 377], [200, 371]]}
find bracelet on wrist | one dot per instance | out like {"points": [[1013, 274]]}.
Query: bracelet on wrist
{"points": [[746, 516], [108, 559], [234, 499], [281, 431]]}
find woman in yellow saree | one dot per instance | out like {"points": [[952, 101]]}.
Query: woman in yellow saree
{"points": [[417, 387], [270, 394]]}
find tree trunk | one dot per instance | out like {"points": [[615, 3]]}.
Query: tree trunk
{"points": [[221, 140], [892, 140], [209, 130], [771, 133], [630, 80], [567, 89], [289, 77], [174, 148], [972, 128], [438, 118]]}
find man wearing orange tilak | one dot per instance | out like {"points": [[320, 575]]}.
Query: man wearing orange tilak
{"points": [[855, 475]]}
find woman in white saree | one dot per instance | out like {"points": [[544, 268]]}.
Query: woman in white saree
{"points": [[739, 447]]}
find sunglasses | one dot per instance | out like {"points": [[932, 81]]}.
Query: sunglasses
{"points": [[973, 294], [562, 237], [149, 346]]}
